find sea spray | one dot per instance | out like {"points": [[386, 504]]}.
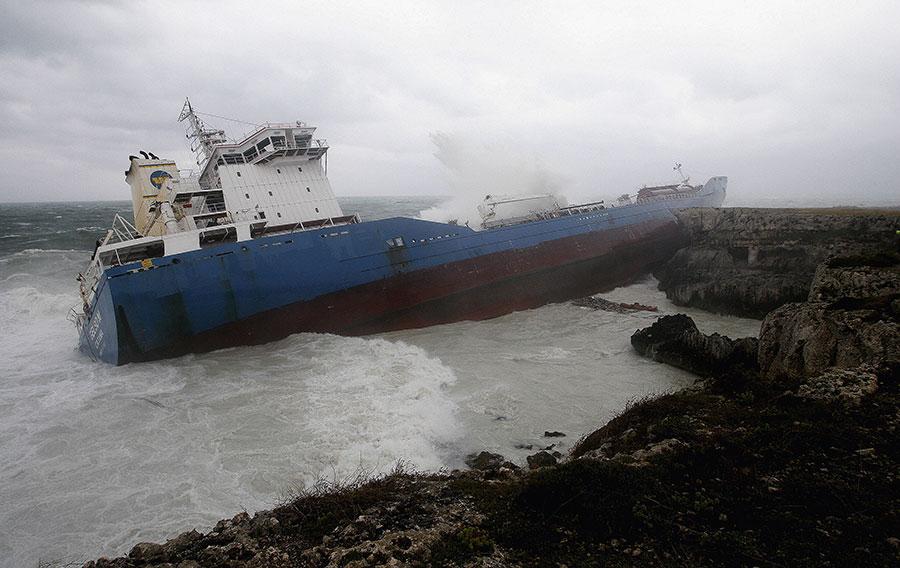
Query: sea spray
{"points": [[477, 168], [394, 404]]}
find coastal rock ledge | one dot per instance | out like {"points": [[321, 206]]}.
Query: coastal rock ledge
{"points": [[676, 340], [748, 262]]}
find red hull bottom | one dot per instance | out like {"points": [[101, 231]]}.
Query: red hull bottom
{"points": [[484, 287]]}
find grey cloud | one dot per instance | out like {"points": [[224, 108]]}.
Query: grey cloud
{"points": [[785, 99]]}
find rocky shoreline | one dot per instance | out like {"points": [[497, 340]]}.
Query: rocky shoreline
{"points": [[785, 452], [748, 262]]}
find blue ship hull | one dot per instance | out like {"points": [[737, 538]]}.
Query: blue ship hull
{"points": [[355, 279]]}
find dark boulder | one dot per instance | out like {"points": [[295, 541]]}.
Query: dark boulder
{"points": [[675, 340], [485, 461], [148, 552], [541, 459]]}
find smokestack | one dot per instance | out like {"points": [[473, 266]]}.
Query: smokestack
{"points": [[144, 154]]}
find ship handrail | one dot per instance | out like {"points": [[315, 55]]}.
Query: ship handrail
{"points": [[123, 230]]}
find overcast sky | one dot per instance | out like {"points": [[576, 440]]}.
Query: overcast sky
{"points": [[787, 99]]}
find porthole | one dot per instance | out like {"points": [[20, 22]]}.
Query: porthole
{"points": [[270, 193], [317, 209], [279, 214], [278, 170], [300, 170], [247, 195], [238, 174], [307, 190]]}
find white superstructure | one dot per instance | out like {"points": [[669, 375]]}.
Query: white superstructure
{"points": [[274, 180], [275, 177]]}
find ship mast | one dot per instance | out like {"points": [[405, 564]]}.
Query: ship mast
{"points": [[203, 139], [684, 179]]}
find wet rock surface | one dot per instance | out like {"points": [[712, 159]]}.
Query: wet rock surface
{"points": [[748, 262], [485, 461], [541, 459], [676, 340], [596, 303]]}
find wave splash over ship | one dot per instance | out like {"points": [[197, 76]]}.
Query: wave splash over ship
{"points": [[476, 168]]}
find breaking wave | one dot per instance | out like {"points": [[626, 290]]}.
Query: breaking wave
{"points": [[142, 452], [476, 168]]}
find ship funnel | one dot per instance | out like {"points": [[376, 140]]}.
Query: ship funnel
{"points": [[151, 184]]}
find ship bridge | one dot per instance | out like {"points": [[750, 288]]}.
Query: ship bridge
{"points": [[277, 174], [273, 180]]}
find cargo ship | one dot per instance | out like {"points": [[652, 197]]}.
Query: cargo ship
{"points": [[253, 246]]}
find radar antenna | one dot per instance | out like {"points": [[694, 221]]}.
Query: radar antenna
{"points": [[203, 139]]}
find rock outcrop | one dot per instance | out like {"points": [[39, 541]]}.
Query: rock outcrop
{"points": [[851, 319], [676, 340], [596, 303], [750, 261]]}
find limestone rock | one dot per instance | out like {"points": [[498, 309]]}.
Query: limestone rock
{"points": [[847, 386], [868, 276], [750, 261], [849, 320], [662, 447], [677, 341]]}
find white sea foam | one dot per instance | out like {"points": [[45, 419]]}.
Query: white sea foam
{"points": [[98, 457]]}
